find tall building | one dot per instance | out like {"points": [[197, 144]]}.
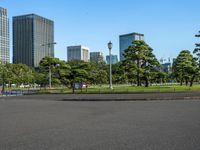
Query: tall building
{"points": [[78, 53], [4, 36], [33, 39], [114, 59], [126, 40], [167, 67], [96, 56]]}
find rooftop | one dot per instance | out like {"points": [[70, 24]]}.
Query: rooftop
{"points": [[134, 33], [31, 15]]}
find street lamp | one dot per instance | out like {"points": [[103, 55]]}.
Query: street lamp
{"points": [[50, 73], [3, 78], [49, 46], [110, 45]]}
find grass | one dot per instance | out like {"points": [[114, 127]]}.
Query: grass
{"points": [[127, 89]]}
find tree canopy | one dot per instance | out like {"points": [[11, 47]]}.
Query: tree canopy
{"points": [[140, 63], [184, 68]]}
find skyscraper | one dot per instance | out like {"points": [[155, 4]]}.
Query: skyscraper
{"points": [[96, 56], [4, 36], [33, 39], [114, 59], [78, 53], [126, 40]]}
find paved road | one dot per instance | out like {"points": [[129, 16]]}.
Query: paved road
{"points": [[37, 123]]}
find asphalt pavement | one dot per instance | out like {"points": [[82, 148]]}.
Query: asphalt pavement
{"points": [[50, 122]]}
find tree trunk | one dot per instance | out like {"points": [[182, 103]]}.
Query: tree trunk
{"points": [[138, 73], [146, 82], [73, 87], [181, 82], [138, 78], [192, 81], [186, 82]]}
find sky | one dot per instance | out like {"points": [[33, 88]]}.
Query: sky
{"points": [[169, 26]]}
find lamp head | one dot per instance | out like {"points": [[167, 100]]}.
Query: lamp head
{"points": [[110, 45]]}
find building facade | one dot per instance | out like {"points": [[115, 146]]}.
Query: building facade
{"points": [[114, 59], [78, 53], [126, 40], [96, 56], [167, 67], [4, 36], [33, 39]]}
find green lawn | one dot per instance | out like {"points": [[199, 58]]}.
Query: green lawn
{"points": [[127, 89]]}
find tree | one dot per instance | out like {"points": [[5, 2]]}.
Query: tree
{"points": [[140, 62], [196, 71], [79, 72], [17, 74], [21, 74], [118, 72], [41, 79], [98, 73], [60, 71], [184, 68]]}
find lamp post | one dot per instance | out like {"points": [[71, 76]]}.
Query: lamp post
{"points": [[3, 78], [110, 45], [49, 46], [50, 76]]}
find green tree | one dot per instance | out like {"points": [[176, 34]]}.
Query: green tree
{"points": [[118, 73], [16, 74], [19, 74], [184, 68], [196, 51], [140, 62], [59, 70], [41, 79], [98, 73], [79, 72]]}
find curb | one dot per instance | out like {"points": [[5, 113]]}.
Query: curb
{"points": [[128, 99]]}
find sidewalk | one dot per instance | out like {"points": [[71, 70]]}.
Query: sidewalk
{"points": [[110, 97], [133, 97]]}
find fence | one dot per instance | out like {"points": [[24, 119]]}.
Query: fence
{"points": [[19, 92]]}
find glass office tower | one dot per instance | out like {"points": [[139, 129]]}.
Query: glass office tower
{"points": [[126, 40], [33, 38], [114, 59], [78, 53], [4, 36], [96, 56]]}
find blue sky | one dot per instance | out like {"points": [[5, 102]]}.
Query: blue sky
{"points": [[169, 26]]}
